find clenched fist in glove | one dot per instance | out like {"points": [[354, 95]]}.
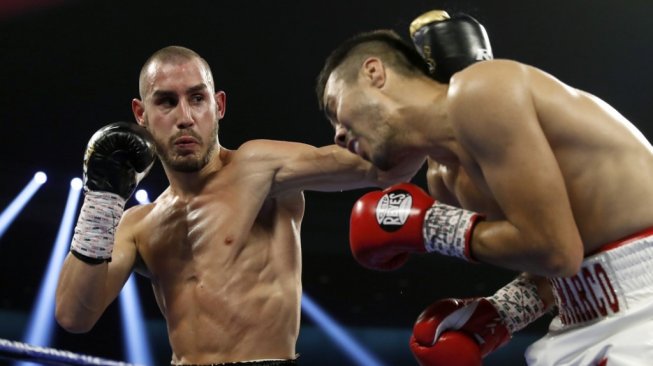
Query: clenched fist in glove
{"points": [[386, 226], [488, 322], [477, 318], [117, 157]]}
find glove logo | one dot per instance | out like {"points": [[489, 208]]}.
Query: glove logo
{"points": [[393, 210], [483, 54]]}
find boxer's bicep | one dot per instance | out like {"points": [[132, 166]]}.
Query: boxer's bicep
{"points": [[328, 168], [296, 166]]}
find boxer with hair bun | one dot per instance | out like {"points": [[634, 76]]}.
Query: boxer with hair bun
{"points": [[528, 174]]}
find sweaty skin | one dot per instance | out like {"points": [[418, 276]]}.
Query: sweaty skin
{"points": [[557, 171], [221, 244]]}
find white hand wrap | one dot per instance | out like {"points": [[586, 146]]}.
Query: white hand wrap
{"points": [[447, 230], [518, 303], [96, 225]]}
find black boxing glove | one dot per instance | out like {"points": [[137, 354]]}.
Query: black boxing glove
{"points": [[449, 44], [117, 157]]}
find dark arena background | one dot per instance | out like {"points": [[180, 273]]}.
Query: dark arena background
{"points": [[68, 67]]}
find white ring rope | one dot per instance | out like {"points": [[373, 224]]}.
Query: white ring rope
{"points": [[50, 356]]}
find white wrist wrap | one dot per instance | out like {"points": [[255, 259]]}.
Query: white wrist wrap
{"points": [[518, 303], [96, 225], [447, 230]]}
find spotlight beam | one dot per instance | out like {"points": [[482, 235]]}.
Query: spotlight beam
{"points": [[136, 341], [338, 334], [135, 338], [41, 323], [14, 208]]}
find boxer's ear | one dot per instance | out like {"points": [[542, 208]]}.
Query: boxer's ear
{"points": [[139, 111], [374, 71], [220, 98]]}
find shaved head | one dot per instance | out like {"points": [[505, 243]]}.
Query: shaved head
{"points": [[170, 55]]}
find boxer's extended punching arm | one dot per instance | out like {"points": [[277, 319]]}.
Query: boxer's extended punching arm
{"points": [[117, 157], [294, 166]]}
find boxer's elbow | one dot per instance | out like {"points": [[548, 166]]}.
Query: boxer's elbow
{"points": [[553, 253], [563, 262], [71, 320]]}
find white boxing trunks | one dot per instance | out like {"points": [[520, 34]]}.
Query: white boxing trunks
{"points": [[605, 311]]}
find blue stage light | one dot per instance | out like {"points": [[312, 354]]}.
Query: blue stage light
{"points": [[135, 338], [359, 355], [142, 196], [41, 324], [14, 208], [76, 183]]}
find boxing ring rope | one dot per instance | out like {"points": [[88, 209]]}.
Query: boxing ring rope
{"points": [[13, 350]]}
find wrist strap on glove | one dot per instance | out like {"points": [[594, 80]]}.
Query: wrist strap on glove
{"points": [[448, 229], [518, 303], [96, 227]]}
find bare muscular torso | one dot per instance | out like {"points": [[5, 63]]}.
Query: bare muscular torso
{"points": [[606, 164], [225, 266]]}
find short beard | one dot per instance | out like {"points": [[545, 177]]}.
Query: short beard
{"points": [[382, 155], [381, 158], [187, 164]]}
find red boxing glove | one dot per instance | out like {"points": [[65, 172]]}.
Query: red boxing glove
{"points": [[477, 318], [453, 348], [386, 226]]}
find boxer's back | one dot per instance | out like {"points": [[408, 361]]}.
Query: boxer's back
{"points": [[606, 164]]}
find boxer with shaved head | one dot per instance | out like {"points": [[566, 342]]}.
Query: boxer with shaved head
{"points": [[221, 245]]}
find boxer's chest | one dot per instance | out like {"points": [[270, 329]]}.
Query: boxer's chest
{"points": [[213, 226], [468, 191]]}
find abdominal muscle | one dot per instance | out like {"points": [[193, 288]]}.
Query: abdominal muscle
{"points": [[230, 294], [242, 318]]}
